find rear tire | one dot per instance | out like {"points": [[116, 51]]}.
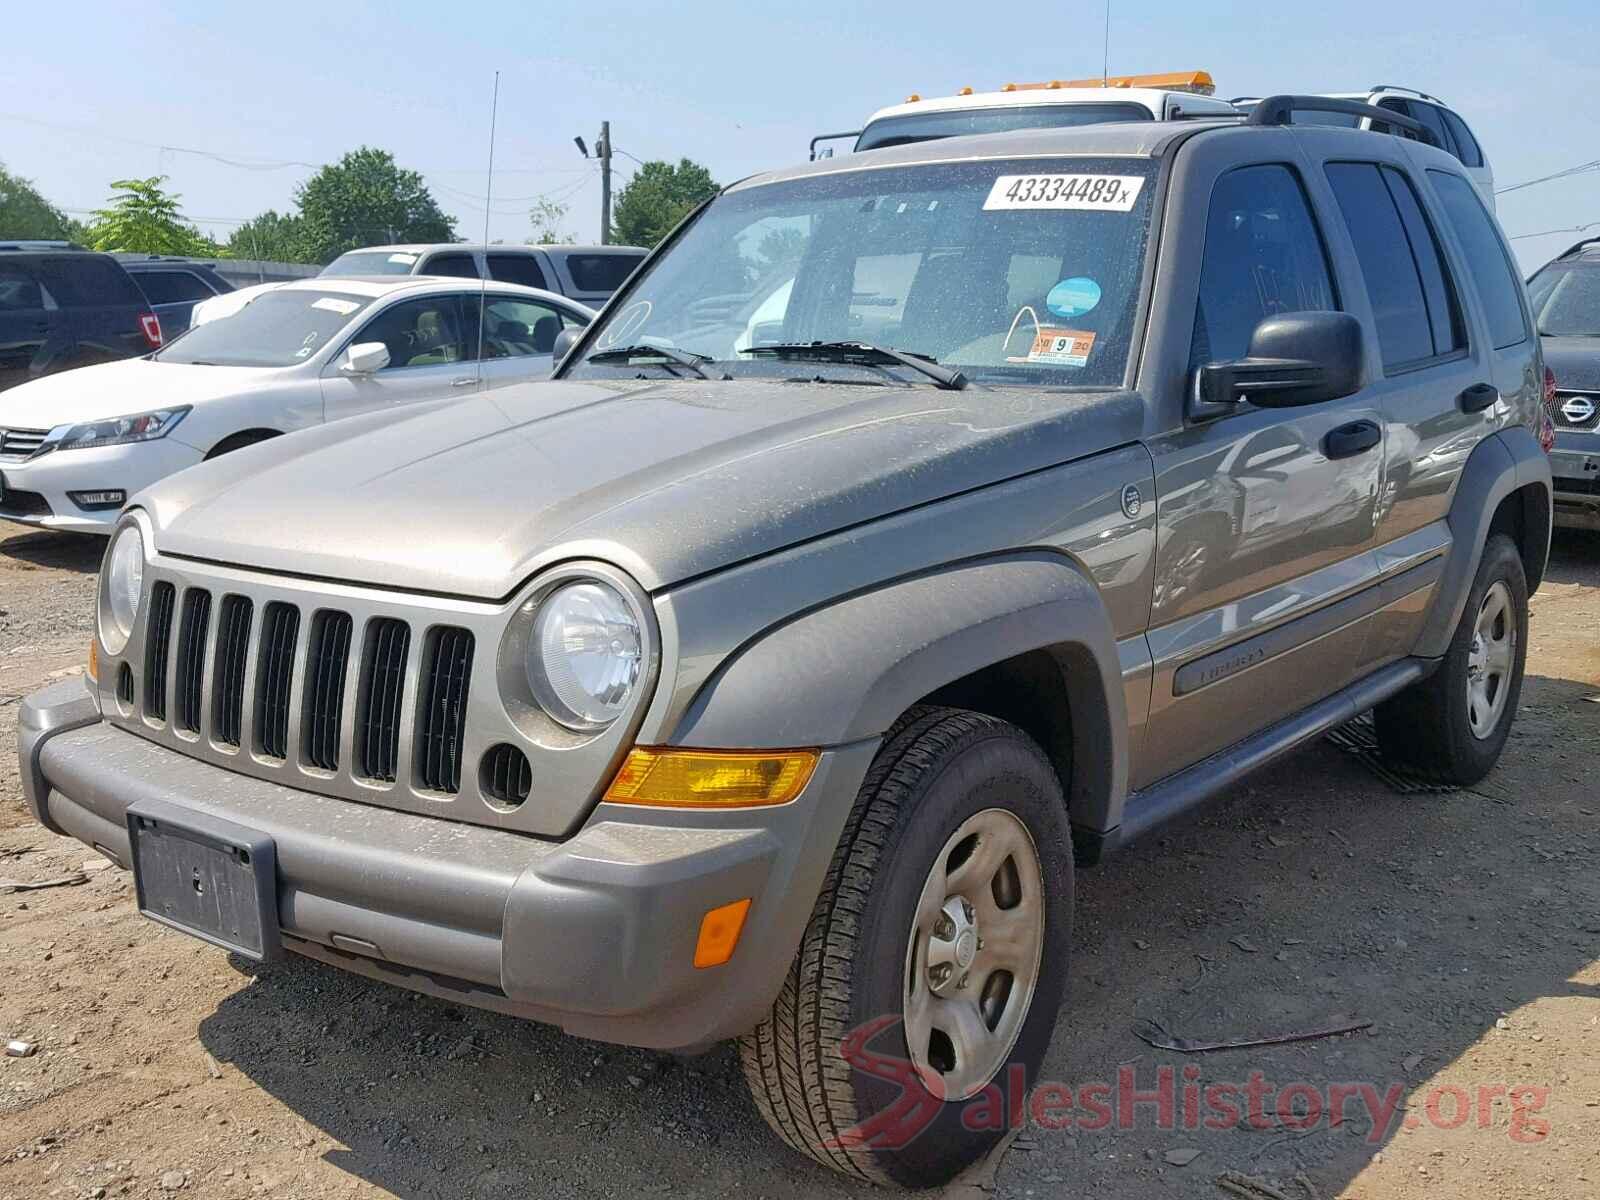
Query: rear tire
{"points": [[947, 910], [1453, 725]]}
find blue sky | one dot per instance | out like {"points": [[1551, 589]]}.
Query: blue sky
{"points": [[736, 86]]}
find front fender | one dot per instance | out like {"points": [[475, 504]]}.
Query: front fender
{"points": [[844, 672]]}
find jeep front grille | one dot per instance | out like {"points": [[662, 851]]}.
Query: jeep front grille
{"points": [[274, 674], [227, 686], [192, 657], [158, 636], [326, 663], [442, 716], [383, 673]]}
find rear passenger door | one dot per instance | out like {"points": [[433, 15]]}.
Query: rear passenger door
{"points": [[33, 332], [102, 305], [1261, 535], [173, 292]]}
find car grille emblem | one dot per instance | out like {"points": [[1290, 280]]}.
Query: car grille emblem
{"points": [[1578, 410]]}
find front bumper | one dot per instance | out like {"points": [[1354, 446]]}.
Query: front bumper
{"points": [[1575, 467], [36, 490], [595, 934]]}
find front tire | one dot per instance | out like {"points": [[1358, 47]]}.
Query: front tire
{"points": [[928, 980], [1453, 725]]}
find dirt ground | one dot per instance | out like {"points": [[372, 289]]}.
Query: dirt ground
{"points": [[1465, 927]]}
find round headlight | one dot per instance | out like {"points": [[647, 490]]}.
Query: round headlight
{"points": [[585, 655], [124, 584]]}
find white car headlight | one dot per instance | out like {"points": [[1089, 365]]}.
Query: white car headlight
{"points": [[121, 589], [585, 655], [116, 431]]}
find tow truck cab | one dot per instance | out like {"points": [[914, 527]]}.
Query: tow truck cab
{"points": [[1052, 103]]}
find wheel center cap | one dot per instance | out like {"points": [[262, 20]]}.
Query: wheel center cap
{"points": [[966, 948]]}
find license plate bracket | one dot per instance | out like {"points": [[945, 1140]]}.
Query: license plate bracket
{"points": [[206, 877]]}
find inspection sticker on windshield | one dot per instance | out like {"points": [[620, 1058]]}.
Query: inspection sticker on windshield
{"points": [[404, 260], [1059, 348], [343, 307], [1108, 193]]}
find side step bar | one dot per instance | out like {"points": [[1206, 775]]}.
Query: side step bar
{"points": [[1177, 793]]}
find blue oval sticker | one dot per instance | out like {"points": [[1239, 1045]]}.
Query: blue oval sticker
{"points": [[1073, 297]]}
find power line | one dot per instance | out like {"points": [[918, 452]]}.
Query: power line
{"points": [[1564, 229], [1580, 169]]}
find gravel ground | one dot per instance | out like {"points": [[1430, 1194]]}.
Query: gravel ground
{"points": [[1465, 927]]}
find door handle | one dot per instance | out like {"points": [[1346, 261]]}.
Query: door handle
{"points": [[1478, 397], [1349, 440], [467, 382]]}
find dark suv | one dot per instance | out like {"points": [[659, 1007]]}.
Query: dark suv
{"points": [[174, 286], [64, 307], [1566, 307]]}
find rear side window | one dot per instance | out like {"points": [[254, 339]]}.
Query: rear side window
{"points": [[1467, 149], [170, 287], [19, 290], [1263, 257], [1401, 107], [1488, 261], [516, 268], [601, 272], [1433, 118], [88, 280], [458, 266], [1412, 301]]}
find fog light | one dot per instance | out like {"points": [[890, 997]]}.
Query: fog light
{"points": [[106, 498], [719, 933], [674, 778]]}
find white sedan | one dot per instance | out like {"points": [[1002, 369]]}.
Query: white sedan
{"points": [[75, 447]]}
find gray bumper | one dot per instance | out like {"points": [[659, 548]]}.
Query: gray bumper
{"points": [[1575, 471], [595, 934]]}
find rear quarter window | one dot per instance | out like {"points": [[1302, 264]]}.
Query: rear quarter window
{"points": [[88, 281], [171, 287], [1488, 261], [601, 272], [1467, 149]]}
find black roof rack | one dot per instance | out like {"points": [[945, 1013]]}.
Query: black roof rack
{"points": [[829, 137], [1244, 100], [1278, 110], [1577, 248], [1395, 87], [38, 244]]}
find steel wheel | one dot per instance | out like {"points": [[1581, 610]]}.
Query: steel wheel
{"points": [[1490, 660], [973, 958]]}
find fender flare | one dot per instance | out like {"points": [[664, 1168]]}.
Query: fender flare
{"points": [[844, 672], [1500, 465]]}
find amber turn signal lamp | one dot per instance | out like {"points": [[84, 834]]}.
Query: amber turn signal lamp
{"points": [[682, 778], [93, 669], [719, 933]]}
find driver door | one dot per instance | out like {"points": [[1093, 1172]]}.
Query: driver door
{"points": [[429, 359]]}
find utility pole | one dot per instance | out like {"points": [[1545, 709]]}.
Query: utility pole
{"points": [[603, 152]]}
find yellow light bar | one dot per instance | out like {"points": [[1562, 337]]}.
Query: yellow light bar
{"points": [[913, 98], [673, 778], [1199, 83], [719, 933]]}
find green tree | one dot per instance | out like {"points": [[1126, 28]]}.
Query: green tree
{"points": [[657, 197], [366, 200], [273, 236], [24, 213], [547, 217], [143, 217]]}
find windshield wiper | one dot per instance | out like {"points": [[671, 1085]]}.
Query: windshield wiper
{"points": [[684, 358], [867, 355]]}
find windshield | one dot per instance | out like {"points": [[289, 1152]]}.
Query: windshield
{"points": [[1566, 300], [922, 127], [372, 262], [1020, 272], [276, 329]]}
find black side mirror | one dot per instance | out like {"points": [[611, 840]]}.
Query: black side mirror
{"points": [[565, 341], [1296, 358]]}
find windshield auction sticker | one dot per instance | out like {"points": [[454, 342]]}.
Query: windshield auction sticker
{"points": [[1107, 193], [1059, 348]]}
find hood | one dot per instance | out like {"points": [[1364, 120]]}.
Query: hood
{"points": [[667, 479], [120, 389], [1575, 362]]}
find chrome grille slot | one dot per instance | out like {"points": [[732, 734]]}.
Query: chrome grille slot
{"points": [[327, 660], [274, 673], [158, 640], [16, 444], [442, 712], [383, 674], [227, 686], [192, 658]]}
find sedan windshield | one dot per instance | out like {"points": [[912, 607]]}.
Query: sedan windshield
{"points": [[277, 329], [1020, 272], [1566, 300], [372, 262]]}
